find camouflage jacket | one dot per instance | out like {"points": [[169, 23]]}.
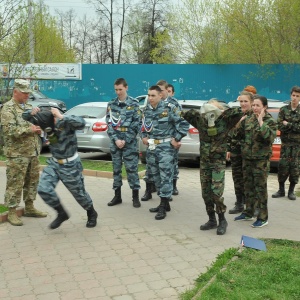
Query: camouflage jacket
{"points": [[211, 145], [257, 141], [174, 102], [123, 116], [66, 145], [18, 138], [290, 134], [164, 121], [233, 142]]}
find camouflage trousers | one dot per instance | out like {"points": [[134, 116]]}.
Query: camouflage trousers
{"points": [[161, 164], [130, 156], [212, 177], [22, 175], [237, 174], [70, 174], [289, 164], [256, 191], [149, 178]]}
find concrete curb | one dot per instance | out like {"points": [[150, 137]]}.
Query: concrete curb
{"points": [[94, 173]]}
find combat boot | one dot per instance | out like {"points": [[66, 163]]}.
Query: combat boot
{"points": [[147, 196], [61, 217], [239, 205], [13, 218], [31, 211], [161, 214], [117, 198], [175, 190], [291, 194], [280, 192], [92, 217], [211, 223], [155, 209], [222, 224], [153, 187], [135, 199]]}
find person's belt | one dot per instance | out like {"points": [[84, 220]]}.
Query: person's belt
{"points": [[156, 142], [122, 129], [65, 160]]}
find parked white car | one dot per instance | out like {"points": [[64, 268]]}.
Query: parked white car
{"points": [[93, 138]]}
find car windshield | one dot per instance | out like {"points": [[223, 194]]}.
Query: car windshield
{"points": [[87, 111]]}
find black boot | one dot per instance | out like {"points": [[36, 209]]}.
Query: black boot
{"points": [[211, 223], [147, 196], [117, 198], [161, 214], [135, 198], [152, 187], [155, 209], [291, 194], [239, 205], [61, 217], [175, 190], [222, 224], [92, 217], [280, 192]]}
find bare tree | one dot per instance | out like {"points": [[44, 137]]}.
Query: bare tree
{"points": [[145, 27], [114, 14], [9, 21], [67, 21]]}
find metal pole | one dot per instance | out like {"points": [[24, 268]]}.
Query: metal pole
{"points": [[30, 32]]}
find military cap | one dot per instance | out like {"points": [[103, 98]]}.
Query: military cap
{"points": [[22, 85]]}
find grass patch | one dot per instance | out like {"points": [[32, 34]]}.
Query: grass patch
{"points": [[3, 208], [98, 165], [254, 275]]}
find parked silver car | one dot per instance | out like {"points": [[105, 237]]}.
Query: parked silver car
{"points": [[93, 138], [190, 144]]}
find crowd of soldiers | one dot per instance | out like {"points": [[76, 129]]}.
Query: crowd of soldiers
{"points": [[243, 135]]}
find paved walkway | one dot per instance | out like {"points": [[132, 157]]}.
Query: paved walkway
{"points": [[129, 255]]}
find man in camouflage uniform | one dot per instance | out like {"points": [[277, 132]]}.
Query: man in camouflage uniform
{"points": [[163, 130], [148, 178], [213, 125], [123, 120], [289, 126], [21, 147], [64, 165]]}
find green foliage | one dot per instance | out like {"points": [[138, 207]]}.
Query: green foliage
{"points": [[161, 52], [49, 47], [148, 39], [238, 31], [3, 208], [255, 274]]}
